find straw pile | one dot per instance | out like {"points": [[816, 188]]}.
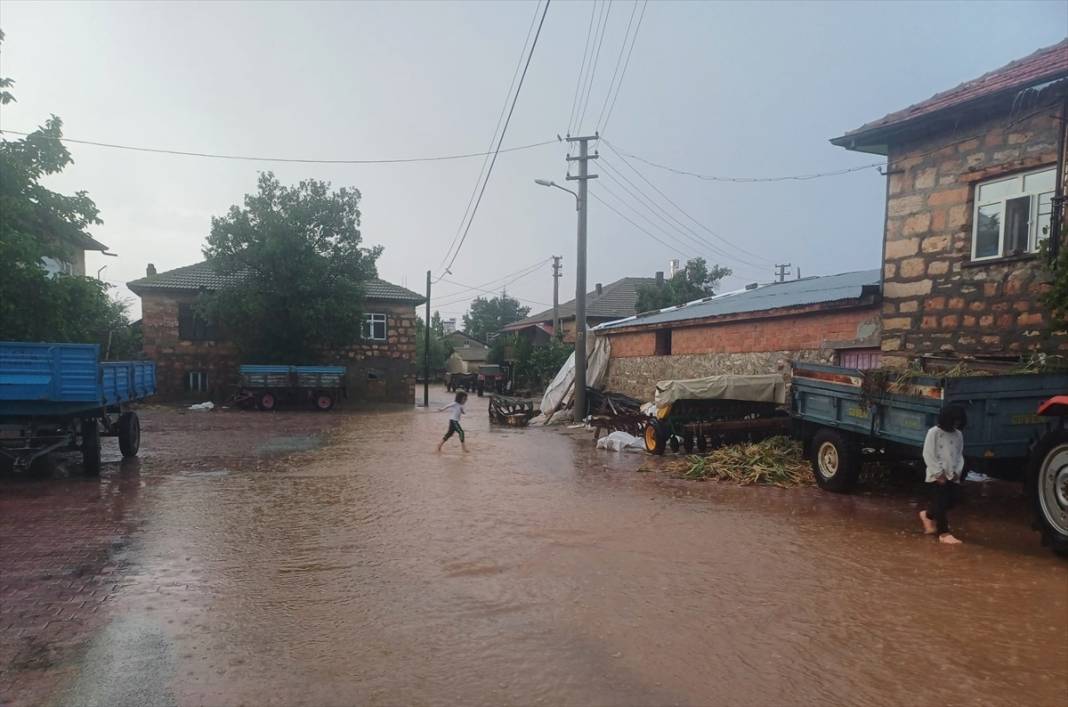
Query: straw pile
{"points": [[775, 461]]}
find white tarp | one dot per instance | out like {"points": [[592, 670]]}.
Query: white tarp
{"points": [[620, 441], [769, 388], [562, 388]]}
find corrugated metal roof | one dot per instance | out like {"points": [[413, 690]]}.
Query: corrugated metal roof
{"points": [[793, 293], [201, 276], [617, 299], [1039, 67]]}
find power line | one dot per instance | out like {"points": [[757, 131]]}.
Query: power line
{"points": [[496, 129], [601, 121], [681, 210], [619, 86], [593, 66], [504, 130], [502, 281], [713, 178], [640, 228], [675, 223], [185, 153], [582, 68]]}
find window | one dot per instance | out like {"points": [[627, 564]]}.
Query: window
{"points": [[374, 327], [1012, 214], [196, 381], [192, 326], [663, 342], [54, 266], [861, 359]]}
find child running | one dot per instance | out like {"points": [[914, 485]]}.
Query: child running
{"points": [[943, 452], [456, 409]]}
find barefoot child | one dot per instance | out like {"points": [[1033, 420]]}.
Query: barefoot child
{"points": [[943, 452], [456, 409]]}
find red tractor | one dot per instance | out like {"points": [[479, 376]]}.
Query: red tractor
{"points": [[1047, 480]]}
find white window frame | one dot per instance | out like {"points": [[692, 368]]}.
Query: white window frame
{"points": [[369, 321], [1034, 237]]}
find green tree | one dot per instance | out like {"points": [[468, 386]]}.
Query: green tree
{"points": [[695, 281], [440, 348], [37, 223], [1056, 298], [299, 270], [488, 315]]}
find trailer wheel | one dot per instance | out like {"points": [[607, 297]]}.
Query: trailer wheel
{"points": [[702, 443], [835, 461], [90, 447], [673, 442], [129, 434], [267, 401], [324, 401], [687, 442], [655, 437], [1048, 487]]}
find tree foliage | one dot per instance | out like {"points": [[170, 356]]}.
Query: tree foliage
{"points": [[535, 365], [695, 281], [37, 223], [300, 270], [440, 348], [1056, 298], [488, 315]]}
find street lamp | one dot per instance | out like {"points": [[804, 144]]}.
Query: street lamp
{"points": [[580, 289]]}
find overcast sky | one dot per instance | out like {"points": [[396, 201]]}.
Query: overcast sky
{"points": [[732, 89]]}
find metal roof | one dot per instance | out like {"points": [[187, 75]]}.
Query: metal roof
{"points": [[777, 295], [617, 299], [201, 276]]}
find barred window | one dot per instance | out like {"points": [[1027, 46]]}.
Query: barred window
{"points": [[374, 327]]}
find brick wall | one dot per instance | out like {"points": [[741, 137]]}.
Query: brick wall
{"points": [[744, 346], [934, 297], [377, 371]]}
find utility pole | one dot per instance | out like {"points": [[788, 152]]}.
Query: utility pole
{"points": [[426, 347], [556, 295], [781, 271], [584, 176]]}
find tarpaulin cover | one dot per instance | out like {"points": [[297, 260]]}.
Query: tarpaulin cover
{"points": [[770, 388], [562, 388]]}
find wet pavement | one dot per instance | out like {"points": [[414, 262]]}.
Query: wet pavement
{"points": [[297, 558]]}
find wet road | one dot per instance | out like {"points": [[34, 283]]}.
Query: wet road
{"points": [[305, 559]]}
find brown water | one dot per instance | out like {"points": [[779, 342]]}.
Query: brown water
{"points": [[364, 569]]}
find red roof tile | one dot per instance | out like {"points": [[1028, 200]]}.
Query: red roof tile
{"points": [[1043, 65]]}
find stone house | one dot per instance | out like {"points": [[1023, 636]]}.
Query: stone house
{"points": [[195, 361], [974, 173], [70, 258], [831, 319], [605, 303]]}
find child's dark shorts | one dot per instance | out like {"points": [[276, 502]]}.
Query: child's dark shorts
{"points": [[454, 427]]}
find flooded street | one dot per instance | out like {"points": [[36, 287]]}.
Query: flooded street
{"points": [[333, 559]]}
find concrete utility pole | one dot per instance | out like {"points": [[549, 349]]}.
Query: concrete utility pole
{"points": [[556, 295], [584, 176], [781, 271], [426, 347]]}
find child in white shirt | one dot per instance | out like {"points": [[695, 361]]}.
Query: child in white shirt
{"points": [[456, 409], [943, 452]]}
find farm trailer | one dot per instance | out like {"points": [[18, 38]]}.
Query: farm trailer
{"points": [[1016, 428], [60, 396], [266, 386]]}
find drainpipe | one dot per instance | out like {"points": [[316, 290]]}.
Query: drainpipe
{"points": [[1057, 214]]}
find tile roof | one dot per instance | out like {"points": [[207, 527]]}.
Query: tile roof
{"points": [[201, 276], [617, 299], [1040, 67], [792, 293]]}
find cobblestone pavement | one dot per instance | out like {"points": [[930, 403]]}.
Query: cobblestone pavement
{"points": [[296, 558]]}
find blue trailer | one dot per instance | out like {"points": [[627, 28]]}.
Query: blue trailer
{"points": [[61, 396], [1013, 431], [265, 387]]}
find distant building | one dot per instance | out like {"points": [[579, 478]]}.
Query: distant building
{"points": [[467, 355], [973, 176], [195, 360], [72, 259], [449, 325], [604, 304], [832, 319]]}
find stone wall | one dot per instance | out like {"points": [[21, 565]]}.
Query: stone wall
{"points": [[377, 371], [936, 299]]}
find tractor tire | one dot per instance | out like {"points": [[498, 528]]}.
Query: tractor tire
{"points": [[323, 401], [1047, 485], [688, 442], [655, 437], [835, 461], [90, 447], [673, 442], [129, 434]]}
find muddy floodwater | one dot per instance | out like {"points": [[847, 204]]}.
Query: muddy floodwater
{"points": [[296, 558]]}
